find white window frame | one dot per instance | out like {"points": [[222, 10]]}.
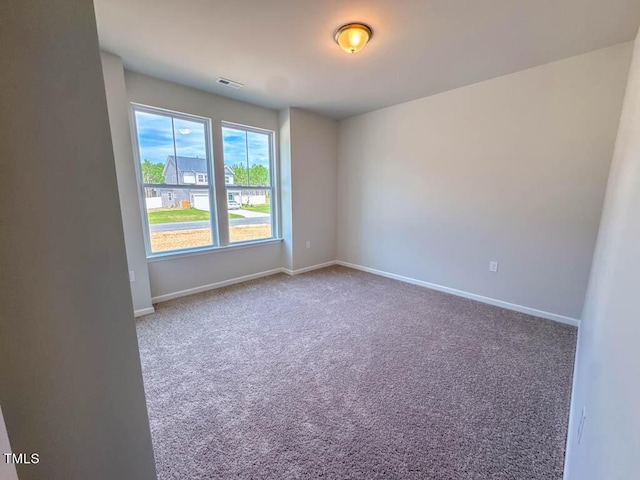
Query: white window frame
{"points": [[275, 230], [211, 185]]}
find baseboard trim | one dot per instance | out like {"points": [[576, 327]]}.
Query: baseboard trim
{"points": [[308, 269], [213, 286], [461, 293], [143, 311]]}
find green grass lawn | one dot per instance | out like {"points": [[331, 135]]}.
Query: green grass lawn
{"points": [[173, 215], [266, 208]]}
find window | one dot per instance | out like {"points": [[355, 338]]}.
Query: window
{"points": [[248, 160], [188, 178], [177, 185], [179, 212]]}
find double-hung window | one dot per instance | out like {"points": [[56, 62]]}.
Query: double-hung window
{"points": [[248, 164], [174, 163], [175, 167]]}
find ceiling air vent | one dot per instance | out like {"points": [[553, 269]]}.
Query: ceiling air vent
{"points": [[229, 83]]}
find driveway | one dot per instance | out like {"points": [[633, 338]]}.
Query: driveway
{"points": [[249, 214], [166, 227]]}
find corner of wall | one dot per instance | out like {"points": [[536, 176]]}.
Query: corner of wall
{"points": [[117, 105], [286, 188], [313, 161]]}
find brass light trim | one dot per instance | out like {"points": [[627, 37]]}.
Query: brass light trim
{"points": [[352, 37]]}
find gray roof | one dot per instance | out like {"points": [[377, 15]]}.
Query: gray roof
{"points": [[194, 164], [189, 164]]}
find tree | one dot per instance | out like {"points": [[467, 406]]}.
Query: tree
{"points": [[259, 175], [152, 172], [239, 174]]}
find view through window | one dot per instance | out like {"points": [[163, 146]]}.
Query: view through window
{"points": [[175, 169], [248, 165], [178, 186]]}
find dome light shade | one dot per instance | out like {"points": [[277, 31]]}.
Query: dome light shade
{"points": [[352, 37]]}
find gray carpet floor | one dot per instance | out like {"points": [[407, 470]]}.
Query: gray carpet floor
{"points": [[340, 374]]}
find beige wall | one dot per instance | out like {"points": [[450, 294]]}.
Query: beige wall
{"points": [[307, 157], [313, 176], [607, 381], [512, 169], [71, 386], [171, 275], [118, 107]]}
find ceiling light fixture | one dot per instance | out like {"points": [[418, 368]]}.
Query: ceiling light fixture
{"points": [[352, 37]]}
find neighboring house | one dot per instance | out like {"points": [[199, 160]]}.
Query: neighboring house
{"points": [[193, 171], [185, 171], [242, 196], [228, 175]]}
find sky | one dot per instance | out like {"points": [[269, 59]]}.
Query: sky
{"points": [[234, 147], [155, 139]]}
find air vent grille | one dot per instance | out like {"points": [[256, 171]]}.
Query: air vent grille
{"points": [[229, 83]]}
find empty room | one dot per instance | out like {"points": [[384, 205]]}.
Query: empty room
{"points": [[294, 239]]}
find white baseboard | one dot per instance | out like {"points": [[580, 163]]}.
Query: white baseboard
{"points": [[472, 296], [143, 311], [232, 281], [212, 286], [460, 293], [308, 269]]}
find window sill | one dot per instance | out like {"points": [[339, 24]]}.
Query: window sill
{"points": [[158, 257]]}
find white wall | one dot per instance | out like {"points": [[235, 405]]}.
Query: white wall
{"points": [[71, 385], [118, 107], [309, 166], [607, 381], [512, 169], [176, 274]]}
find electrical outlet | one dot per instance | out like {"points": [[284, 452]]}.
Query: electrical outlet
{"points": [[132, 276], [308, 243], [583, 419], [493, 266]]}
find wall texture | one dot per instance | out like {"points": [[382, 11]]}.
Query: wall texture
{"points": [[606, 381], [313, 187], [118, 107], [176, 274], [71, 387], [512, 169]]}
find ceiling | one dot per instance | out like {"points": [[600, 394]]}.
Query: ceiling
{"points": [[283, 50]]}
